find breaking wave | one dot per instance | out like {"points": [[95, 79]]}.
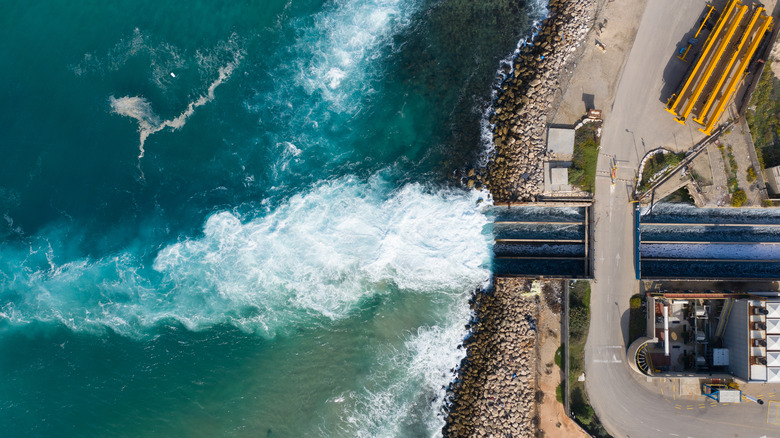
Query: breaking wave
{"points": [[343, 43], [316, 256]]}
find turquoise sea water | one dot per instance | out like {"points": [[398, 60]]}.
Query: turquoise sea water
{"points": [[238, 219]]}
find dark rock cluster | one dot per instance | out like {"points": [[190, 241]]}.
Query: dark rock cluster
{"points": [[494, 392], [515, 171]]}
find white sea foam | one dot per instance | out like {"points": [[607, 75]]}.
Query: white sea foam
{"points": [[410, 394], [163, 58], [348, 37], [141, 110], [316, 256]]}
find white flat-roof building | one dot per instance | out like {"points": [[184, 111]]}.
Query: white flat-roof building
{"points": [[752, 336], [560, 141]]}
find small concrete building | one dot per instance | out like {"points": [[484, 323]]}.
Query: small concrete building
{"points": [[556, 176], [560, 151], [772, 177], [711, 335], [560, 142], [559, 178]]}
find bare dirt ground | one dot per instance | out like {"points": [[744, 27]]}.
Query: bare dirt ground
{"points": [[739, 148], [594, 78], [553, 420], [592, 86]]}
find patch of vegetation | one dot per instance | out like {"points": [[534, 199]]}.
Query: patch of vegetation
{"points": [[764, 119], [656, 164], [751, 174], [559, 359], [732, 160], [738, 198], [579, 318], [559, 392], [731, 172], [586, 154], [680, 196], [636, 319]]}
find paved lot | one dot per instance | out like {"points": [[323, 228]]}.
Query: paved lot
{"points": [[637, 122]]}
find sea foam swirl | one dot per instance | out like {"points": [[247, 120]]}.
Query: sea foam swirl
{"points": [[315, 256]]}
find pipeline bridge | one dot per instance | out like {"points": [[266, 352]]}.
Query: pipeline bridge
{"points": [[678, 243], [542, 240]]}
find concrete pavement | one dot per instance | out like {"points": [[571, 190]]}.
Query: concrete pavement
{"points": [[634, 124]]}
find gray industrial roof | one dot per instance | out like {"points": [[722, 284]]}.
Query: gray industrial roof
{"points": [[560, 141]]}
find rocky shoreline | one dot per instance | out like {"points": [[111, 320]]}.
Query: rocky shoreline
{"points": [[494, 394], [495, 391], [515, 170]]}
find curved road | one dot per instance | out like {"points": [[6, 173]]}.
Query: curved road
{"points": [[637, 118]]}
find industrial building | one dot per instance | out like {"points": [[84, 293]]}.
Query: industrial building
{"points": [[721, 65], [713, 335]]}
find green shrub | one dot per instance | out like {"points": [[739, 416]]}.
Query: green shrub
{"points": [[579, 404], [738, 198], [637, 324], [559, 392], [656, 163], [585, 157], [764, 119], [751, 174]]}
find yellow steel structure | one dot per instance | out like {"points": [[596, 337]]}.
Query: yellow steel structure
{"points": [[715, 91], [736, 78], [675, 100], [740, 12], [696, 35], [721, 66]]}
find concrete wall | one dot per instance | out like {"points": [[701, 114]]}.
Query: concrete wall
{"points": [[772, 175], [736, 340]]}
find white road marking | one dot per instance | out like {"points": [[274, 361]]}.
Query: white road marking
{"points": [[604, 351]]}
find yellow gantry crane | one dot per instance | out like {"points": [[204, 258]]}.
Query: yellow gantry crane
{"points": [[722, 64], [692, 42]]}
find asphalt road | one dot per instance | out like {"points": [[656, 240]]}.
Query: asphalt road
{"points": [[635, 124]]}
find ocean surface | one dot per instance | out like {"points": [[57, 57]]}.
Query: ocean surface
{"points": [[240, 218]]}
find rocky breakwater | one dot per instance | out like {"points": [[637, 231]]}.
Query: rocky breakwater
{"points": [[494, 394], [526, 97]]}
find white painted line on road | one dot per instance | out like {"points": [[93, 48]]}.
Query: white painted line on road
{"points": [[673, 434]]}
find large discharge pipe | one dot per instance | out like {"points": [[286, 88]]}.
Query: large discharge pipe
{"points": [[666, 329]]}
